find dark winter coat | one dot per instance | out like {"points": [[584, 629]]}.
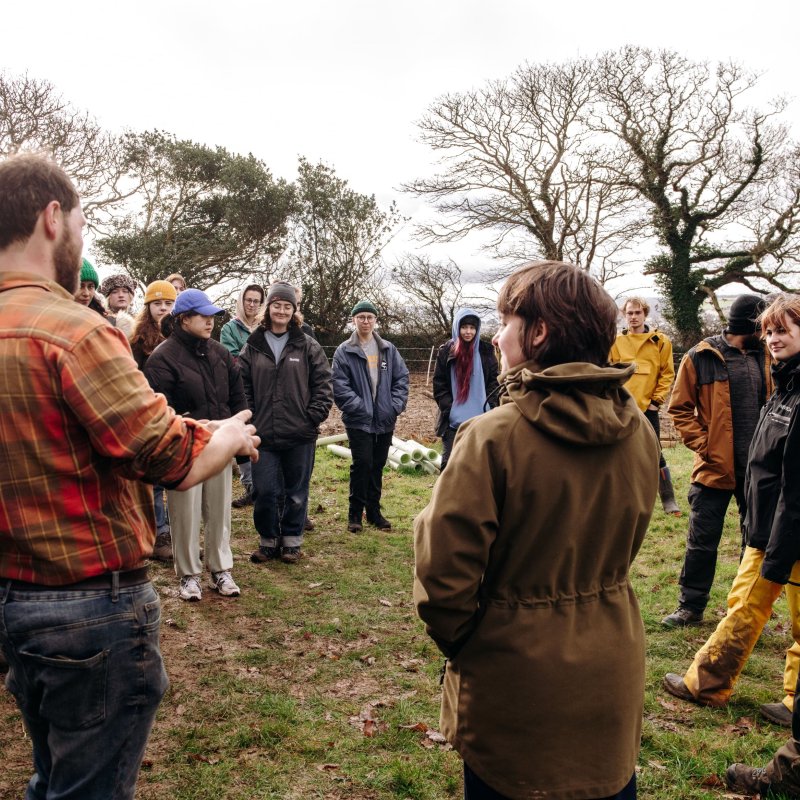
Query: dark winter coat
{"points": [[290, 399], [522, 561], [772, 484], [700, 408], [352, 388], [197, 376], [442, 386]]}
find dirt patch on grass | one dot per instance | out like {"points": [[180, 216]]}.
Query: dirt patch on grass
{"points": [[417, 422]]}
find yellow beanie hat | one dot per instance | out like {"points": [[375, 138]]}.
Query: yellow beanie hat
{"points": [[160, 290]]}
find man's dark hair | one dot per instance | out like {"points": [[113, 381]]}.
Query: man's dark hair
{"points": [[580, 315], [27, 184]]}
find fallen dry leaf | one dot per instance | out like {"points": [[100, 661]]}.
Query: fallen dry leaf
{"points": [[419, 726], [327, 767], [712, 782], [385, 602]]}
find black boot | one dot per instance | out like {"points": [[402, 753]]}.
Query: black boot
{"points": [[378, 520], [667, 493], [354, 521]]}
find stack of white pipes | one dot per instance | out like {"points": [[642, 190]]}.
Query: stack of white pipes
{"points": [[405, 455]]}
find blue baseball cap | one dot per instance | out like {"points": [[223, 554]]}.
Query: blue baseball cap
{"points": [[197, 301]]}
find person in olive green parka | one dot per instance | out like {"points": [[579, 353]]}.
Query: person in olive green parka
{"points": [[522, 556]]}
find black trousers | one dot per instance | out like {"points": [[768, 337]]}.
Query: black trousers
{"points": [[476, 789], [707, 508], [370, 451], [652, 418]]}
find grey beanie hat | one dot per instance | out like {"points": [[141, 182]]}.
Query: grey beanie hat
{"points": [[281, 290]]}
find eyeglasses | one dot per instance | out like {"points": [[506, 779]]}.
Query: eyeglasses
{"points": [[255, 302], [366, 318]]}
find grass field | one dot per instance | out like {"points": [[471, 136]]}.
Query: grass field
{"points": [[319, 682]]}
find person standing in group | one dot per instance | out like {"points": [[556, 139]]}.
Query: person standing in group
{"points": [[119, 291], [199, 379], [159, 298], [80, 432], [464, 379], [771, 559], [287, 381], [721, 386], [233, 336], [523, 555], [651, 352], [87, 288], [177, 281], [370, 388]]}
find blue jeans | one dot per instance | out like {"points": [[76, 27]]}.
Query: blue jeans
{"points": [[160, 502], [86, 671], [281, 478]]}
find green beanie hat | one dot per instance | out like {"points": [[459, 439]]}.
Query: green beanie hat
{"points": [[364, 306], [89, 273]]}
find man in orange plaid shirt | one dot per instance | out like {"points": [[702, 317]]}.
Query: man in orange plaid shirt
{"points": [[80, 429]]}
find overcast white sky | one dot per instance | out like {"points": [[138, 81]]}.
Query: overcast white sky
{"points": [[344, 80]]}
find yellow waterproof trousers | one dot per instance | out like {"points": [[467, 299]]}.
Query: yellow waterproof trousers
{"points": [[718, 663]]}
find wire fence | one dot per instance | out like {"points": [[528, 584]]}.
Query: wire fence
{"points": [[419, 360]]}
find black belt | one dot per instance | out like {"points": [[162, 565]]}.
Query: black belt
{"points": [[131, 577]]}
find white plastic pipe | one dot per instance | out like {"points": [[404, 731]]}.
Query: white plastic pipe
{"points": [[415, 451], [340, 451], [431, 469], [399, 455], [430, 453], [336, 437]]}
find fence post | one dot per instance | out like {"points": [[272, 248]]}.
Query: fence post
{"points": [[430, 359]]}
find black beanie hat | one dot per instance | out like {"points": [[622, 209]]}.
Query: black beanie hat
{"points": [[744, 312]]}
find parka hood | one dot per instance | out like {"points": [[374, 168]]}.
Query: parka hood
{"points": [[579, 403], [457, 319]]}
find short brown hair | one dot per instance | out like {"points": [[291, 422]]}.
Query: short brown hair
{"points": [[581, 317], [28, 183], [784, 305], [637, 301]]}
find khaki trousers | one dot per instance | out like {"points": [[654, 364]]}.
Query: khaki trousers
{"points": [[719, 662], [209, 503]]}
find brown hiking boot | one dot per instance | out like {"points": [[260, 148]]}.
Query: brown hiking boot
{"points": [[676, 686], [777, 713], [264, 554], [682, 618], [245, 500], [746, 780], [291, 555], [162, 549]]}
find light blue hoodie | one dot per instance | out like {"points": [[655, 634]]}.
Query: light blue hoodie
{"points": [[473, 406]]}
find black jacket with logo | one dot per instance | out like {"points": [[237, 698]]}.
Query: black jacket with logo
{"points": [[772, 485], [291, 398]]}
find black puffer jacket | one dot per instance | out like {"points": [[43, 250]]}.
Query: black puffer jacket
{"points": [[197, 376], [772, 486], [443, 390], [289, 399]]}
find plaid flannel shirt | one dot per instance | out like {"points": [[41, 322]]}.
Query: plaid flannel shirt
{"points": [[80, 429]]}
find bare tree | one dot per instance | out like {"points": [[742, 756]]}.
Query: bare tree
{"points": [[518, 161], [34, 116], [434, 289], [720, 180]]}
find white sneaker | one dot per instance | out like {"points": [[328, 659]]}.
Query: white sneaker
{"points": [[190, 588], [224, 584]]}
